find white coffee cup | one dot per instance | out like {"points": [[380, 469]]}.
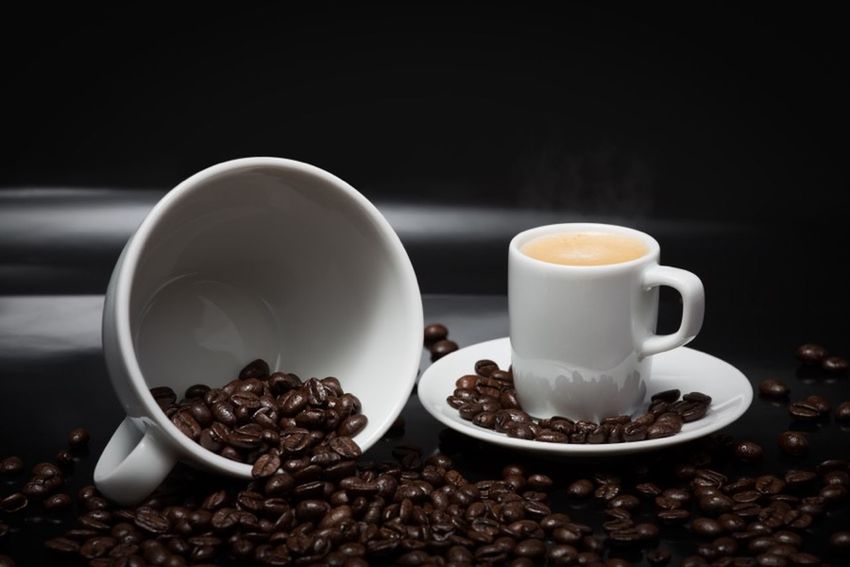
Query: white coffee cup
{"points": [[582, 337], [253, 258]]}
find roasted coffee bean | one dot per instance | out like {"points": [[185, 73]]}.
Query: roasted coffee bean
{"points": [[57, 501], [624, 501], [662, 429], [803, 411], [748, 451], [14, 502], [731, 522], [441, 348], [820, 403], [835, 364], [187, 424], [469, 410], [840, 541], [598, 435], [37, 487], [258, 368], [486, 419], [485, 367], [435, 332], [693, 411], [842, 412], [772, 388], [163, 396], [668, 396], [697, 397], [581, 488], [78, 438], [811, 353], [716, 504], [634, 432], [266, 465], [11, 465], [659, 557], [706, 527], [345, 447], [352, 425], [62, 545], [46, 470], [769, 484], [794, 443], [150, 520], [508, 399], [833, 493], [837, 477]]}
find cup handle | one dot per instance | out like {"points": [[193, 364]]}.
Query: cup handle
{"points": [[693, 307], [135, 461]]}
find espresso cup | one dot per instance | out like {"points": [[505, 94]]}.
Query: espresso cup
{"points": [[583, 336], [253, 258]]}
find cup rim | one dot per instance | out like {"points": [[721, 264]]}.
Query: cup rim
{"points": [[523, 237], [138, 244]]}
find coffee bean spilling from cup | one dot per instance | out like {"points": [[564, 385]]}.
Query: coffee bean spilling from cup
{"points": [[488, 399], [263, 418]]}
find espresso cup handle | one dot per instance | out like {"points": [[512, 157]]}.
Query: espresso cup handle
{"points": [[693, 307], [135, 461]]}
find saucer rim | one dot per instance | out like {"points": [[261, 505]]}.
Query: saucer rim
{"points": [[741, 381]]}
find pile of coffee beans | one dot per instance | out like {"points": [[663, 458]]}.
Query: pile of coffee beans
{"points": [[263, 418], [488, 399], [437, 342]]}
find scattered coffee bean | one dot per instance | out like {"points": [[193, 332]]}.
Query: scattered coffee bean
{"points": [[840, 541], [803, 411], [57, 501], [435, 332], [659, 557], [14, 502], [65, 458], [748, 451], [581, 488], [811, 353], [442, 348], [820, 403], [11, 465], [771, 388], [794, 443], [835, 364], [842, 412], [78, 438]]}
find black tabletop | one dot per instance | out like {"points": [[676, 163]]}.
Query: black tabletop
{"points": [[54, 379]]}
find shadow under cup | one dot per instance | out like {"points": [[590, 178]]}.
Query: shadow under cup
{"points": [[281, 265]]}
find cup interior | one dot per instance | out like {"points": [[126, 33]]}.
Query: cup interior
{"points": [[280, 261]]}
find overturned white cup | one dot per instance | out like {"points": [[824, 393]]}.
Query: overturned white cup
{"points": [[253, 258]]}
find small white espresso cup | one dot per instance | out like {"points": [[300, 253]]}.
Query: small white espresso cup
{"points": [[582, 337], [253, 258]]}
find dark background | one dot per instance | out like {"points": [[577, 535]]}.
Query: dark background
{"points": [[720, 129], [710, 111]]}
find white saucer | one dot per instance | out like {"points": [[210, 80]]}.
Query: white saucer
{"points": [[683, 368]]}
